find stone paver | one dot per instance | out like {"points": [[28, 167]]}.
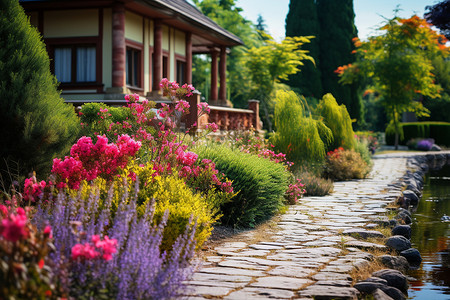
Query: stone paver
{"points": [[303, 256]]}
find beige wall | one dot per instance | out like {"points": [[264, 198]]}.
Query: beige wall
{"points": [[146, 56], [107, 49], [134, 27], [180, 42], [71, 23], [166, 34]]}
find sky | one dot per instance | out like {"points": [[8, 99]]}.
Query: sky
{"points": [[368, 13]]}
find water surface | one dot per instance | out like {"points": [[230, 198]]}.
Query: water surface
{"points": [[431, 236]]}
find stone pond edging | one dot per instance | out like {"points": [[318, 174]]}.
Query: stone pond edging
{"points": [[309, 251], [412, 184]]}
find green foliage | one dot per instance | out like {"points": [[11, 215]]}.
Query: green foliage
{"points": [[343, 164], [302, 20], [228, 15], [89, 116], [172, 194], [35, 123], [439, 131], [362, 147], [398, 63], [300, 137], [23, 272], [314, 184], [337, 29], [338, 120], [268, 64], [260, 184]]}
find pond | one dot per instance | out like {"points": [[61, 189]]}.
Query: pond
{"points": [[431, 236]]}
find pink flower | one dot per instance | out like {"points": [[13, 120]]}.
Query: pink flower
{"points": [[14, 227], [212, 126], [48, 231], [85, 251]]}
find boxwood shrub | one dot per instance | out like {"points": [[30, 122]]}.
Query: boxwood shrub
{"points": [[259, 182], [439, 131]]}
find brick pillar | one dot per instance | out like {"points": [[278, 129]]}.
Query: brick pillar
{"points": [[214, 54], [223, 74], [188, 58], [157, 55], [118, 46], [254, 105]]}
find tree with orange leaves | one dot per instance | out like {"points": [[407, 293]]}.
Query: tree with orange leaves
{"points": [[398, 64]]}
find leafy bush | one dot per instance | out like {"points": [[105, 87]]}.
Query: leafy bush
{"points": [[35, 123], [362, 148], [300, 137], [24, 267], [439, 131], [260, 183], [104, 255], [369, 138], [171, 193], [343, 164], [90, 114], [336, 118], [314, 184]]}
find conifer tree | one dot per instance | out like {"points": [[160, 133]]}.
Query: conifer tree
{"points": [[35, 124], [302, 20], [337, 29]]}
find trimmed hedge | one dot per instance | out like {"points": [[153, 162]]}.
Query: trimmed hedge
{"points": [[439, 131], [260, 184]]}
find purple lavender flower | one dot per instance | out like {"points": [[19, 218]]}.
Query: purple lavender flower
{"points": [[138, 270], [425, 144]]}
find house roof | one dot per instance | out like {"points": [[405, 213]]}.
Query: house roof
{"points": [[178, 13], [193, 14]]}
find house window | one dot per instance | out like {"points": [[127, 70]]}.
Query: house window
{"points": [[74, 64], [181, 71], [133, 67]]}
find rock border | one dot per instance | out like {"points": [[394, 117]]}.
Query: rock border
{"points": [[391, 283]]}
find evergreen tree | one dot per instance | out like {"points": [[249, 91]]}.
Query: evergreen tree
{"points": [[337, 29], [302, 20], [35, 124]]}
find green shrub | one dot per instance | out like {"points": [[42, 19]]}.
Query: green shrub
{"points": [[362, 147], [336, 118], [89, 116], [260, 184], [300, 137], [439, 131], [314, 184], [342, 164], [35, 123]]}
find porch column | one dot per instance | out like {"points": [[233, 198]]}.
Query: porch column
{"points": [[118, 47], [214, 54], [157, 55], [188, 58], [223, 74]]}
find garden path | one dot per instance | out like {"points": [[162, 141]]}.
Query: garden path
{"points": [[308, 251]]}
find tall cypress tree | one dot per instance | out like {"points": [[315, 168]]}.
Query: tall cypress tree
{"points": [[337, 28], [302, 20], [35, 123]]}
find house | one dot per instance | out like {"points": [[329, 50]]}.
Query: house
{"points": [[103, 49]]}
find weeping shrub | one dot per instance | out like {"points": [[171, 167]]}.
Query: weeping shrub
{"points": [[336, 118], [260, 184], [300, 137]]}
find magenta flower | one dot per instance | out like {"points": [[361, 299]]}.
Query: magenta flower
{"points": [[14, 227]]}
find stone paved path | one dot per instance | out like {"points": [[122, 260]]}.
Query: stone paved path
{"points": [[310, 251]]}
